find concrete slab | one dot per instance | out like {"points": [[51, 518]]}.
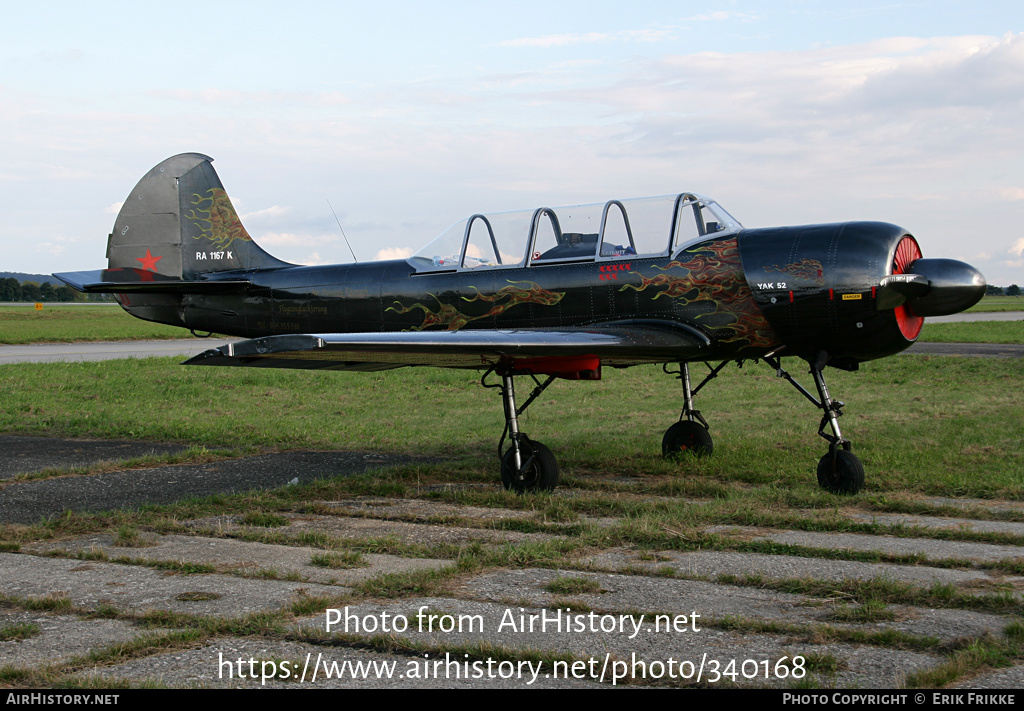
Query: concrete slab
{"points": [[715, 601], [782, 567], [1011, 679], [429, 511], [422, 510], [59, 638], [133, 588], [242, 557], [365, 528], [1013, 506], [631, 592], [932, 548], [966, 524]]}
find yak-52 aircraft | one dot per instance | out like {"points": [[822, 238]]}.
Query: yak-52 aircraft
{"points": [[559, 292]]}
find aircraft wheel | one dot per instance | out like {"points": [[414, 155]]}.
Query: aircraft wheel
{"points": [[842, 473], [541, 474], [687, 436]]}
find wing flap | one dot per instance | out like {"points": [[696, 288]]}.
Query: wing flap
{"points": [[616, 344]]}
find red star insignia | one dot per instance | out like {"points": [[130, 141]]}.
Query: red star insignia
{"points": [[149, 261]]}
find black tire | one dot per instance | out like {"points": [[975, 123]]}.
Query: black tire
{"points": [[842, 473], [687, 437], [541, 474]]}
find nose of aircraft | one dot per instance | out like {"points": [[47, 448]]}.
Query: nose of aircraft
{"points": [[952, 287]]}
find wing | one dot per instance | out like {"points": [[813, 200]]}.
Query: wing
{"points": [[618, 343]]}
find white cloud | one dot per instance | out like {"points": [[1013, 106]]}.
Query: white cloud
{"points": [[51, 248], [1017, 247], [393, 253], [863, 131], [311, 260], [272, 211], [114, 208]]}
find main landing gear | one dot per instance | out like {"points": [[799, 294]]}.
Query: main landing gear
{"points": [[690, 434], [526, 465], [839, 471]]}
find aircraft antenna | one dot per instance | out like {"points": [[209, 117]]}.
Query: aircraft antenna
{"points": [[342, 231]]}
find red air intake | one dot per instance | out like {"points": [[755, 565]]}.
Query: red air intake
{"points": [[907, 252]]}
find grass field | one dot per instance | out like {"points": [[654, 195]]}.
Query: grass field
{"points": [[59, 324], [936, 425], [976, 332], [999, 303]]}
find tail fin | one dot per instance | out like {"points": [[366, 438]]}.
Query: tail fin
{"points": [[179, 223]]}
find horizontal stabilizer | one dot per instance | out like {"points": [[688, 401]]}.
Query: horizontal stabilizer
{"points": [[618, 344], [133, 281]]}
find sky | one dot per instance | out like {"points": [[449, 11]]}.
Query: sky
{"points": [[409, 116]]}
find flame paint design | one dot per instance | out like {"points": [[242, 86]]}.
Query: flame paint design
{"points": [[503, 299], [807, 269], [714, 275], [222, 226]]}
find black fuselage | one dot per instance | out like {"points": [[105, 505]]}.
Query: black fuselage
{"points": [[809, 289]]}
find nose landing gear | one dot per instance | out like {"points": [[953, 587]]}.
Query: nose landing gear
{"points": [[839, 471]]}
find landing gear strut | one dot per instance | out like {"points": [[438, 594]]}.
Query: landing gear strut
{"points": [[690, 434], [839, 471], [526, 465]]}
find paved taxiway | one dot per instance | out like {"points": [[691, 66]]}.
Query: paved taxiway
{"points": [[106, 350], [979, 316]]}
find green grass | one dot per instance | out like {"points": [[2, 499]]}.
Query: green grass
{"points": [[933, 425], [999, 303], [262, 518], [18, 632], [339, 561], [573, 586], [974, 332], [67, 324]]}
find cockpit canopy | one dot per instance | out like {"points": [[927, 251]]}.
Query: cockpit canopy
{"points": [[617, 229]]}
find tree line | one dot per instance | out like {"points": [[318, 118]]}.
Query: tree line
{"points": [[13, 290]]}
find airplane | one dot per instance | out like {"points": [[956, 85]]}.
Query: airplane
{"points": [[552, 292]]}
